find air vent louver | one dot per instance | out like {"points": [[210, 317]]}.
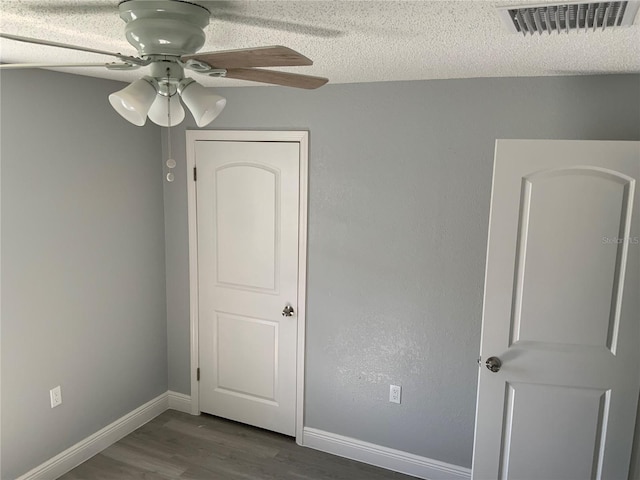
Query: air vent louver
{"points": [[566, 17]]}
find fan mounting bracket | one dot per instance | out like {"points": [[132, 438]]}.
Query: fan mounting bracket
{"points": [[217, 72], [197, 66]]}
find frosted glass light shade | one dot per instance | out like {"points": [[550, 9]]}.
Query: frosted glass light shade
{"points": [[159, 111], [134, 101], [202, 102]]}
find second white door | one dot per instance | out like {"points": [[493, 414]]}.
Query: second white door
{"points": [[559, 378], [247, 200]]}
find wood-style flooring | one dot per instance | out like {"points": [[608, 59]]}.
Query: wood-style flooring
{"points": [[176, 445]]}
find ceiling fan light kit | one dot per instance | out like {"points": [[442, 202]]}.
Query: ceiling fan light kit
{"points": [[134, 101], [158, 99], [167, 34], [166, 111], [204, 105]]}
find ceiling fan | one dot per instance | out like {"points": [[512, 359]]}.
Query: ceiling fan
{"points": [[167, 34]]}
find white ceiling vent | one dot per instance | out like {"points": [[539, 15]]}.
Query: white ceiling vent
{"points": [[565, 17]]}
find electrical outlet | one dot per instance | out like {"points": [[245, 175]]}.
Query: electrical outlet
{"points": [[56, 396], [395, 392]]}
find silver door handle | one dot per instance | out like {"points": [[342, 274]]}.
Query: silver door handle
{"points": [[288, 311], [494, 364]]}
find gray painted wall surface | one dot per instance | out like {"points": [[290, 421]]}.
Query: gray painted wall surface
{"points": [[634, 473], [82, 264], [400, 184]]}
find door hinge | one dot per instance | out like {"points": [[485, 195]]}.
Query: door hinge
{"points": [[198, 374], [195, 174]]}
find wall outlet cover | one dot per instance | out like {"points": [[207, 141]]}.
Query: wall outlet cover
{"points": [[395, 392], [56, 396]]}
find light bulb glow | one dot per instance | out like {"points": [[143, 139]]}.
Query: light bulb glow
{"points": [[128, 106]]}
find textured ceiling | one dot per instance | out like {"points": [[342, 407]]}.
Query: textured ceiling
{"points": [[349, 41]]}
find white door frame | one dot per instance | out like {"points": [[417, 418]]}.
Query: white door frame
{"points": [[302, 137]]}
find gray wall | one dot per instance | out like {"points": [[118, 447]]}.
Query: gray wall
{"points": [[82, 264], [634, 473], [400, 183]]}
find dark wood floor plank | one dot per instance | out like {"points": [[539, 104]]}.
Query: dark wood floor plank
{"points": [[134, 457], [219, 437], [105, 468], [179, 446]]}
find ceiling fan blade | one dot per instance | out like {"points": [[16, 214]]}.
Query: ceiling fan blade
{"points": [[108, 66], [275, 56], [274, 24], [285, 79], [37, 41]]}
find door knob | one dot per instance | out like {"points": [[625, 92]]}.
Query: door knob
{"points": [[493, 364], [288, 311]]}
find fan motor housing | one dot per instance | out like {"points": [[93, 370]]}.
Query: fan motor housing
{"points": [[161, 27]]}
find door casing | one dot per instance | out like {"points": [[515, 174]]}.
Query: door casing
{"points": [[302, 138]]}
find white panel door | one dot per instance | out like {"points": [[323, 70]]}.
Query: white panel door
{"points": [[247, 196], [561, 312]]}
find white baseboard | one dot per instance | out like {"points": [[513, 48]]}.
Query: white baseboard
{"points": [[384, 457], [94, 444], [179, 402], [365, 452]]}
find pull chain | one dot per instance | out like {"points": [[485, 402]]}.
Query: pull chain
{"points": [[171, 163]]}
